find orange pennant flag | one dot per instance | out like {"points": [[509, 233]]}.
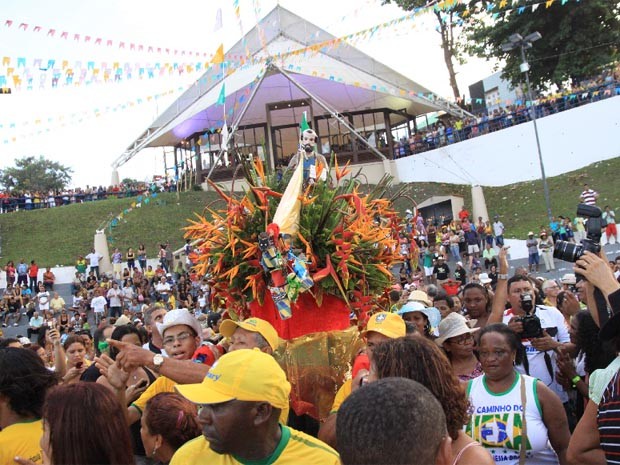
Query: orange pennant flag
{"points": [[218, 58]]}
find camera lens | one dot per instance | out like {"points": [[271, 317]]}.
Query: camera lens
{"points": [[567, 251]]}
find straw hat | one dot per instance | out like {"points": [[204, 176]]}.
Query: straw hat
{"points": [[452, 326]]}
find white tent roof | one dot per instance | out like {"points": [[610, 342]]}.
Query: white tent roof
{"points": [[342, 76]]}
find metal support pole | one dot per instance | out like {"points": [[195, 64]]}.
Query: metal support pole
{"points": [[234, 127], [540, 158], [342, 120]]}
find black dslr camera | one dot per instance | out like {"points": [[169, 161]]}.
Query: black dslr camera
{"points": [[570, 252], [530, 322]]}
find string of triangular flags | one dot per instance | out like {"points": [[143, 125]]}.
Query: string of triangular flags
{"points": [[148, 197], [78, 72]]}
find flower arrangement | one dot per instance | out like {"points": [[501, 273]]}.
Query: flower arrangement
{"points": [[345, 239]]}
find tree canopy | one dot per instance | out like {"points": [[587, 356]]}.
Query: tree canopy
{"points": [[35, 175], [578, 39], [449, 27]]}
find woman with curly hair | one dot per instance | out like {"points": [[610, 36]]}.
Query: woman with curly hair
{"points": [[421, 360]]}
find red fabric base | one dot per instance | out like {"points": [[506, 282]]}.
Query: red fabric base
{"points": [[332, 315]]}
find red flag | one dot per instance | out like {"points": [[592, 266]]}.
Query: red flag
{"points": [[51, 32], [8, 23], [64, 35], [98, 41], [37, 28], [23, 26]]}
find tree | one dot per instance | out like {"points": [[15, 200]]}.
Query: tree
{"points": [[578, 39], [36, 175], [450, 24]]}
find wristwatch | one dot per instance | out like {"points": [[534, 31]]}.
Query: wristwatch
{"points": [[502, 276], [158, 361], [575, 380]]}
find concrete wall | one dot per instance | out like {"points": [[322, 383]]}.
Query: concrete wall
{"points": [[569, 140]]}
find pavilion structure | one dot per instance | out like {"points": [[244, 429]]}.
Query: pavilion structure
{"points": [[283, 67]]}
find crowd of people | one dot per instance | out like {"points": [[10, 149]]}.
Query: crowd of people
{"points": [[12, 201], [452, 130], [463, 367]]}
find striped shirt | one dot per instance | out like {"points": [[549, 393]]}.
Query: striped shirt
{"points": [[589, 197], [609, 420]]}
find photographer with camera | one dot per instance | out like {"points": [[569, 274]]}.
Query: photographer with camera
{"points": [[541, 327]]}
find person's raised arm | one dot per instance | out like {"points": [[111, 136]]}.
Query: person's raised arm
{"points": [[596, 270], [501, 289], [117, 381], [179, 371]]}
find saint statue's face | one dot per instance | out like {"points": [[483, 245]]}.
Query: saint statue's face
{"points": [[308, 141]]}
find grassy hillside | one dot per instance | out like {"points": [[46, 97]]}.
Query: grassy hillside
{"points": [[59, 235]]}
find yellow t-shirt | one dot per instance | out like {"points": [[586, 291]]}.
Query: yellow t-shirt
{"points": [[341, 395], [294, 448], [21, 440]]}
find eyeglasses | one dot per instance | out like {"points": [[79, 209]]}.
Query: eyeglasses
{"points": [[461, 340], [168, 341]]}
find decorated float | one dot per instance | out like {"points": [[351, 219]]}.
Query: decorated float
{"points": [[307, 251]]}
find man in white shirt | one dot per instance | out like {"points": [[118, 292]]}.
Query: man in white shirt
{"points": [[115, 296], [98, 304], [93, 258], [163, 289], [540, 351], [498, 232]]}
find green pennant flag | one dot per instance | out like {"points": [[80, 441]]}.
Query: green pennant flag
{"points": [[222, 98], [304, 123]]}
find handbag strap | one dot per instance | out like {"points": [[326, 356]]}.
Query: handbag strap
{"points": [[523, 425]]}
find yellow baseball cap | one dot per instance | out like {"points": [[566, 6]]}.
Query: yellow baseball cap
{"points": [[255, 325], [388, 324], [248, 375]]}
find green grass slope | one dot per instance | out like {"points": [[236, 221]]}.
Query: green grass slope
{"points": [[57, 236]]}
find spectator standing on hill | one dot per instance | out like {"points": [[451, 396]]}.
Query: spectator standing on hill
{"points": [[464, 214], [498, 232], [163, 261], [93, 259], [117, 263], [98, 304], [115, 297], [588, 196], [142, 257], [131, 259], [33, 273], [532, 249], [609, 219], [80, 266], [48, 279]]}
